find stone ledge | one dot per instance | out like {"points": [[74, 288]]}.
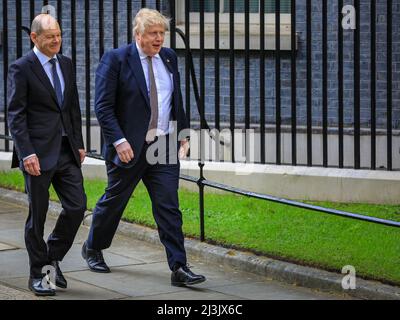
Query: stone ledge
{"points": [[290, 182]]}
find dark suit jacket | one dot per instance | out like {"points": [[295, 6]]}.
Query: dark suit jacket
{"points": [[122, 103], [34, 116]]}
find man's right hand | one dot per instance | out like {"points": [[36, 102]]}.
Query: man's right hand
{"points": [[32, 166], [125, 152]]}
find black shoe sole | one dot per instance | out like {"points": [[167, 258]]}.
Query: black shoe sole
{"points": [[98, 271], [184, 284], [50, 294], [83, 253], [58, 285]]}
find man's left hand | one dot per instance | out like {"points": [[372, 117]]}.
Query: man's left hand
{"points": [[82, 154], [184, 149]]}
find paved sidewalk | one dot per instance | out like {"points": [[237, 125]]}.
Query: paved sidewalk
{"points": [[139, 271]]}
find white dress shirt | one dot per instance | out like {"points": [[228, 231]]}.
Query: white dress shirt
{"points": [[44, 61], [165, 89]]}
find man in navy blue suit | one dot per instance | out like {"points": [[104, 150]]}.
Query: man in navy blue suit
{"points": [[138, 104], [45, 123]]}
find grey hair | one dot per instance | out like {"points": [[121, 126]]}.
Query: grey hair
{"points": [[38, 24], [149, 17]]}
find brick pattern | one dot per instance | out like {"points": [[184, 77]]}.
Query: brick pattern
{"points": [[224, 97]]}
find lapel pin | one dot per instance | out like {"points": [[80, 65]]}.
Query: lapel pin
{"points": [[168, 61]]}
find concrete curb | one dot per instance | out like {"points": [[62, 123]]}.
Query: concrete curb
{"points": [[274, 269]]}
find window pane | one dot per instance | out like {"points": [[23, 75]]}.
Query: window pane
{"points": [[270, 6], [254, 5], [208, 5], [239, 6]]}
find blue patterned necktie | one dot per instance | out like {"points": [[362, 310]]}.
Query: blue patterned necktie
{"points": [[57, 82]]}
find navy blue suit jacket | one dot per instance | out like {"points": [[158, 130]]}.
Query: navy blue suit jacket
{"points": [[122, 103], [34, 116]]}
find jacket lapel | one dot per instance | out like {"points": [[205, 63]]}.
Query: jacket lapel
{"points": [[66, 75], [37, 68], [137, 69], [168, 63]]}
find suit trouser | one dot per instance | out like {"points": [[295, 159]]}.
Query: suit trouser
{"points": [[162, 182], [67, 181]]}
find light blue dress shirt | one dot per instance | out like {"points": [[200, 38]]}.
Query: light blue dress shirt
{"points": [[44, 60]]}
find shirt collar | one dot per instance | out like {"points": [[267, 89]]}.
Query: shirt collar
{"points": [[142, 55], [42, 57]]}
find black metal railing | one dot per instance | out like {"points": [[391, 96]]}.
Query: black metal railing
{"points": [[319, 114], [284, 77]]}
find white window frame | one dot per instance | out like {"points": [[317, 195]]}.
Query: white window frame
{"points": [[209, 25]]}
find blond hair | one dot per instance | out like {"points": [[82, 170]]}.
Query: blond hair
{"points": [[149, 17]]}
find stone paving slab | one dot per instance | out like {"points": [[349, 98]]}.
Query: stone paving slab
{"points": [[13, 237], [73, 261], [194, 294], [5, 247], [266, 290], [6, 207], [9, 293], [77, 290], [13, 264], [132, 281], [12, 221], [139, 250], [151, 281]]}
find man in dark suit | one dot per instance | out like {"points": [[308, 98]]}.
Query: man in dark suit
{"points": [[138, 98], [45, 123]]}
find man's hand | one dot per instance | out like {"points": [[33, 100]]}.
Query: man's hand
{"points": [[82, 154], [184, 149], [32, 166], [125, 152]]}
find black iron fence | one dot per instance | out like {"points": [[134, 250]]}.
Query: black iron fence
{"points": [[311, 96], [296, 73]]}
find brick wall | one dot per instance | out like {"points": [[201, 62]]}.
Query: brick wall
{"points": [[254, 63]]}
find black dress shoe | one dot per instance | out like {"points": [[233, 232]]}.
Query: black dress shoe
{"points": [[60, 280], [184, 277], [94, 259], [35, 285]]}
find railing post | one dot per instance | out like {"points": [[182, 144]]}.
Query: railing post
{"points": [[357, 87], [59, 19], [87, 75], [5, 70], [201, 200], [340, 87], [389, 108], [101, 47]]}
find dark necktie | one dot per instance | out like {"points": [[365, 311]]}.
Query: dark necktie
{"points": [[57, 89], [153, 104], [56, 82]]}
